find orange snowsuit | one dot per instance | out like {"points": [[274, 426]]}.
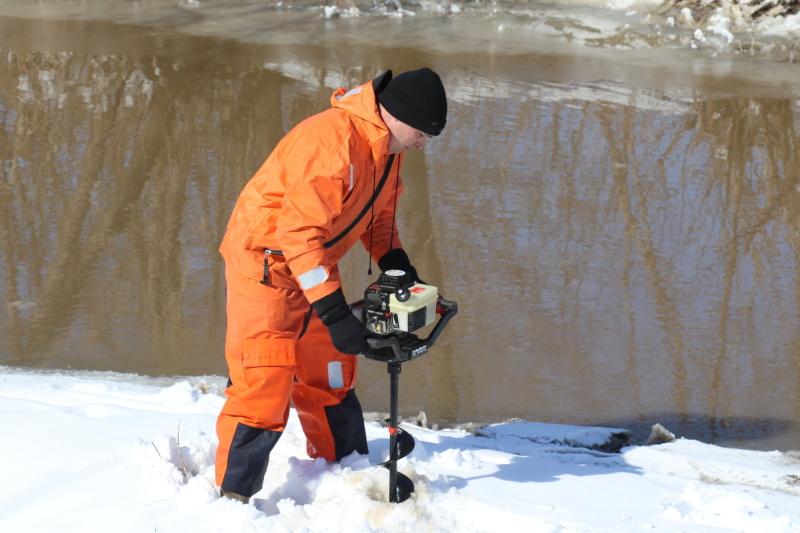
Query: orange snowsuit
{"points": [[289, 228]]}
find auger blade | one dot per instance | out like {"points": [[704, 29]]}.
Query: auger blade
{"points": [[404, 445], [401, 484], [403, 489]]}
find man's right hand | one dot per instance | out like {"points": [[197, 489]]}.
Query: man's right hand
{"points": [[347, 333], [398, 258]]}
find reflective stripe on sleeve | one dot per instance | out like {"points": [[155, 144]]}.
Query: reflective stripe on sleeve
{"points": [[312, 278]]}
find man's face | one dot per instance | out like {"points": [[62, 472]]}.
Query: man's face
{"points": [[401, 135]]}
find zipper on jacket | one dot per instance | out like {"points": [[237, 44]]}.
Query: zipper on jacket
{"points": [[331, 243], [267, 253]]}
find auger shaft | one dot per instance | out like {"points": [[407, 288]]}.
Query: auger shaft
{"points": [[394, 370]]}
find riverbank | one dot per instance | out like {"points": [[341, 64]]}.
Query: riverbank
{"points": [[92, 454]]}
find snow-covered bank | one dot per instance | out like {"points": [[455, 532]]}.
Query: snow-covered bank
{"points": [[86, 453]]}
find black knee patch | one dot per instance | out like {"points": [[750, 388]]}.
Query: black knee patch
{"points": [[248, 459], [346, 421]]}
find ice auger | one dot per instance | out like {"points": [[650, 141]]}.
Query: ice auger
{"points": [[393, 307]]}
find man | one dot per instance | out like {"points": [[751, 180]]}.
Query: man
{"points": [[333, 180]]}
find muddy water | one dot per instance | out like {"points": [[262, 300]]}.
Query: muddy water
{"points": [[620, 230]]}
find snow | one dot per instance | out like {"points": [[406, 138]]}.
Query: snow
{"points": [[112, 452]]}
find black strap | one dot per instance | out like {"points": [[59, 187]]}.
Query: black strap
{"points": [[363, 212], [331, 243]]}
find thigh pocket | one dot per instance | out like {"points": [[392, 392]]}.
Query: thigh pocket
{"points": [[269, 361], [269, 351], [268, 370]]}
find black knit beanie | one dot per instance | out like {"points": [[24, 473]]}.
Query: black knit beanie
{"points": [[415, 98]]}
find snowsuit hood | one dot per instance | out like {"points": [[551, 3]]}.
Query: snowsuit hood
{"points": [[362, 102]]}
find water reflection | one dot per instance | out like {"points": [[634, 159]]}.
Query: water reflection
{"points": [[619, 253], [628, 258], [117, 177]]}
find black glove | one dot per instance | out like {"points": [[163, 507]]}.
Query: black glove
{"points": [[347, 333], [398, 259]]}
